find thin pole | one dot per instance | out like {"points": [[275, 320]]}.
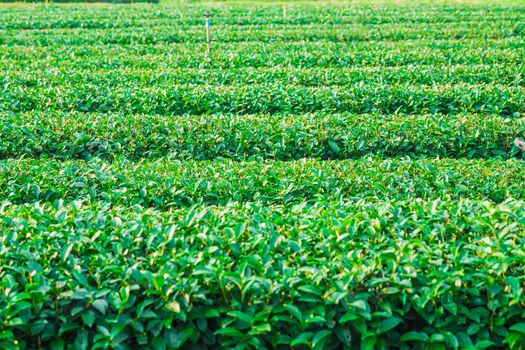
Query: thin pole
{"points": [[284, 9], [208, 49]]}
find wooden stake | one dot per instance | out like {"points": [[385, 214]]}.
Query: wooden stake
{"points": [[284, 9], [208, 46]]}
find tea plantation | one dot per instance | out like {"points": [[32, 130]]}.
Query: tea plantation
{"points": [[339, 177]]}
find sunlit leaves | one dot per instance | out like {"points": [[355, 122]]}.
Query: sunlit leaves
{"points": [[343, 177], [195, 287]]}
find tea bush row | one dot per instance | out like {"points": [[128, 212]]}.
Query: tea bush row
{"points": [[170, 99], [427, 75], [246, 15], [326, 136], [226, 56], [434, 274], [170, 183], [226, 33]]}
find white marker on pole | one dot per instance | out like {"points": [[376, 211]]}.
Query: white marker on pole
{"points": [[208, 49]]}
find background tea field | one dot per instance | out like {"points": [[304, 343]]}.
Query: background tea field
{"points": [[340, 177]]}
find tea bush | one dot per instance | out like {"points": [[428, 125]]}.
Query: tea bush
{"points": [[437, 274], [340, 178]]}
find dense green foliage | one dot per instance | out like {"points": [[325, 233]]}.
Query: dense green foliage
{"points": [[327, 275], [328, 136], [342, 177], [167, 183]]}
